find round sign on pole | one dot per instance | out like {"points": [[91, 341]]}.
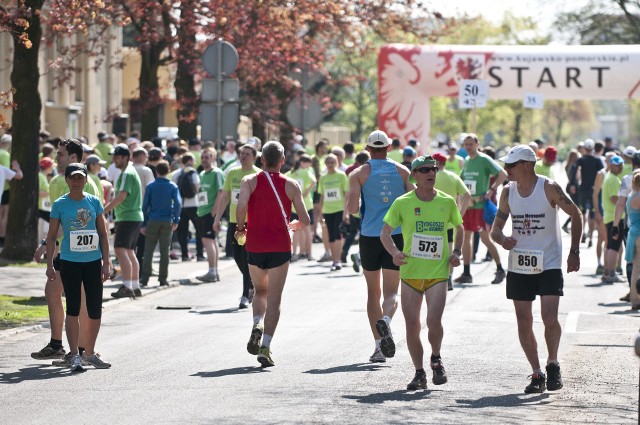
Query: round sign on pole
{"points": [[305, 114], [223, 52]]}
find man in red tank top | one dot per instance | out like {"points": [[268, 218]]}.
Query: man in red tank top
{"points": [[265, 200]]}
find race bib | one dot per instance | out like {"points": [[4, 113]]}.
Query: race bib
{"points": [[427, 247], [202, 198], [83, 240], [526, 261], [235, 194], [46, 204], [332, 195], [471, 185]]}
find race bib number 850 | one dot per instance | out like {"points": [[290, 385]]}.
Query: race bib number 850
{"points": [[427, 247], [527, 261]]}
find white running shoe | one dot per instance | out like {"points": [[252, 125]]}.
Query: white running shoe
{"points": [[76, 363], [377, 357]]}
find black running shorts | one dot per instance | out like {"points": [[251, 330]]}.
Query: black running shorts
{"points": [[205, 226], [373, 254], [525, 287], [127, 234], [268, 260]]}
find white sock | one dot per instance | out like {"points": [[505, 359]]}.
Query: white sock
{"points": [[256, 320], [127, 283], [555, 362], [387, 319], [539, 371], [213, 270], [378, 344], [266, 340], [135, 284]]}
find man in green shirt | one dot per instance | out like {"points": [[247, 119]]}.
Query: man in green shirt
{"points": [[5, 160], [544, 166], [128, 208], [610, 188], [230, 191], [211, 182], [476, 174], [425, 215], [104, 147], [69, 151]]}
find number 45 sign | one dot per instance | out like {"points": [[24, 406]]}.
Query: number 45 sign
{"points": [[533, 101], [473, 94]]}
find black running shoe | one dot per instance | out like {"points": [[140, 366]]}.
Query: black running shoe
{"points": [[387, 346], [419, 382], [537, 384], [439, 374], [554, 377]]}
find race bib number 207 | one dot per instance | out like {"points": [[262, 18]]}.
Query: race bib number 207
{"points": [[83, 240]]}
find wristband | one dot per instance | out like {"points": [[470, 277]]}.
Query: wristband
{"points": [[43, 242], [457, 252]]}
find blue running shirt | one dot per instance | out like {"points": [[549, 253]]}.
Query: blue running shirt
{"points": [[382, 187], [81, 242]]}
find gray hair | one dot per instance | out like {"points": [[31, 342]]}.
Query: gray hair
{"points": [[272, 154]]}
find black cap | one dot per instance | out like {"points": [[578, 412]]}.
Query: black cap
{"points": [[635, 159], [155, 153], [102, 135], [121, 149], [75, 168]]}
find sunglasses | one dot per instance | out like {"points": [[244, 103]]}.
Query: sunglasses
{"points": [[513, 164], [425, 170]]}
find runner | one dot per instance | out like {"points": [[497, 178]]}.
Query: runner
{"points": [[84, 262], [425, 216], [376, 185], [477, 171], [535, 257], [211, 182], [265, 200], [304, 175], [230, 192], [588, 166], [128, 207], [334, 192]]}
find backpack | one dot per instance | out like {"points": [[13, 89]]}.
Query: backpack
{"points": [[185, 184]]}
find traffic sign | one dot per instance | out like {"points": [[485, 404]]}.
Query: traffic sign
{"points": [[220, 58], [473, 94], [230, 90], [307, 78], [229, 116], [533, 101], [304, 112]]}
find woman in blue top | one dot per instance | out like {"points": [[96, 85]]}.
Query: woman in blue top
{"points": [[633, 239], [84, 261]]}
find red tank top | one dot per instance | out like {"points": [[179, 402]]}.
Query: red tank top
{"points": [[266, 228]]}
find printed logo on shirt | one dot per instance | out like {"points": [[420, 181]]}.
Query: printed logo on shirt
{"points": [[429, 226], [416, 211], [527, 224]]}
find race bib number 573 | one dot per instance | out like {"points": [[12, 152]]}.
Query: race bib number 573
{"points": [[427, 247]]}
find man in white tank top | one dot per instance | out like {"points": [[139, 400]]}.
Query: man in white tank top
{"points": [[535, 256]]}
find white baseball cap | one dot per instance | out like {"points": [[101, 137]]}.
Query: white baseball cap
{"points": [[378, 139], [629, 151], [6, 138], [519, 153], [589, 144]]}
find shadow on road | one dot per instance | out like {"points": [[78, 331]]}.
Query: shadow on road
{"points": [[35, 373], [356, 367], [399, 395], [223, 311], [229, 372], [508, 400]]}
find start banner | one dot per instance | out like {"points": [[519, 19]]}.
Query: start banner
{"points": [[408, 75]]}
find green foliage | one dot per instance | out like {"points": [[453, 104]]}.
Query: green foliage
{"points": [[19, 311]]}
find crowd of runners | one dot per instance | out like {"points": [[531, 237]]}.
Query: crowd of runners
{"points": [[415, 216]]}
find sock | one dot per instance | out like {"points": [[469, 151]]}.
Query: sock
{"points": [[387, 319], [421, 371], [256, 320], [538, 371], [435, 358], [555, 362], [127, 283], [378, 344], [56, 344], [467, 269], [499, 267], [213, 270], [135, 284], [81, 350], [266, 340]]}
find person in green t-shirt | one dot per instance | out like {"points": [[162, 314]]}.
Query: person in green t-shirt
{"points": [[104, 147], [230, 191], [5, 160], [424, 214], [544, 166], [211, 183], [303, 173], [333, 188], [322, 148], [455, 162], [44, 202], [128, 209], [610, 188], [476, 174]]}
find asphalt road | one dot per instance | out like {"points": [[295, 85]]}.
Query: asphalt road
{"points": [[179, 356]]}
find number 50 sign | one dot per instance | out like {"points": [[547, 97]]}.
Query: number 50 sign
{"points": [[473, 94]]}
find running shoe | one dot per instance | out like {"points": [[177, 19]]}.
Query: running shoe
{"points": [[439, 374], [95, 361], [500, 275], [253, 346], [310, 258], [123, 292], [537, 384], [201, 258], [554, 377], [317, 239], [616, 278], [599, 269], [76, 363], [355, 258], [164, 283], [449, 284], [173, 255], [264, 357], [605, 279], [48, 353], [244, 302], [619, 271], [325, 257], [137, 292], [208, 277], [626, 298], [419, 382], [336, 267], [64, 361], [387, 346], [464, 278], [377, 357], [294, 258]]}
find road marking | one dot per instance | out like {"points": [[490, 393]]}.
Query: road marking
{"points": [[571, 324]]}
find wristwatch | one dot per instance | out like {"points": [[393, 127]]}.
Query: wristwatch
{"points": [[457, 252], [574, 251]]}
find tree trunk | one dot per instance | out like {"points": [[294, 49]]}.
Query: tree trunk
{"points": [[149, 93], [186, 97], [22, 225], [517, 128]]}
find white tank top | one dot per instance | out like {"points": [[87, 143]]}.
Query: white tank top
{"points": [[536, 228]]}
